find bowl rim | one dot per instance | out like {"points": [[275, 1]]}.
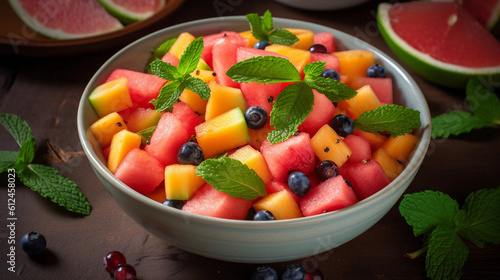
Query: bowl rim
{"points": [[409, 171]]}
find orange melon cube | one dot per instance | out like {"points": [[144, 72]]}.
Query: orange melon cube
{"points": [[298, 57], [194, 101], [106, 127], [142, 118], [111, 96], [306, 38], [254, 160], [158, 194], [122, 143], [376, 140], [328, 145], [355, 62], [180, 45], [281, 204], [365, 100], [222, 99], [392, 168], [251, 39], [400, 147], [181, 181]]}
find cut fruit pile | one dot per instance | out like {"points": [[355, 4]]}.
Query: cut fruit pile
{"points": [[366, 162], [68, 19], [441, 41]]}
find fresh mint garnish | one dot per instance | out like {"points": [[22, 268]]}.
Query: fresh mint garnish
{"points": [[40, 178], [393, 119], [444, 225], [179, 77], [334, 90], [485, 112], [232, 177], [262, 30], [264, 69], [161, 50]]}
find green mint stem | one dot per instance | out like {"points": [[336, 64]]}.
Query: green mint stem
{"points": [[417, 253]]}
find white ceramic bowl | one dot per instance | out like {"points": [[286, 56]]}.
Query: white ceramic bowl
{"points": [[251, 241], [322, 5]]}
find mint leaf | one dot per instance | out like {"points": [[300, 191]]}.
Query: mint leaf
{"points": [[334, 90], [455, 123], [164, 70], [282, 37], [26, 155], [394, 119], [267, 22], [428, 209], [315, 68], [482, 102], [146, 134], [47, 181], [256, 27], [190, 58], [7, 160], [290, 109], [18, 128], [233, 177], [446, 254], [479, 221], [264, 69], [199, 86], [164, 48], [169, 95]]}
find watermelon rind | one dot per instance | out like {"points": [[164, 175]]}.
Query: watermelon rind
{"points": [[123, 14], [441, 73], [57, 34]]}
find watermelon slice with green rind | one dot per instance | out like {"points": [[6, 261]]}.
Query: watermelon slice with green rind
{"points": [[128, 11], [455, 47], [65, 19]]}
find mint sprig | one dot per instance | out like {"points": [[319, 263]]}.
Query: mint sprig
{"points": [[233, 177], [179, 77], [485, 112], [262, 30], [40, 178], [393, 119], [444, 225]]}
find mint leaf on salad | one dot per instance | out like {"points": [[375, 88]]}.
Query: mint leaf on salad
{"points": [[264, 69], [262, 29], [40, 178], [233, 177], [485, 112], [444, 226], [179, 77], [394, 119]]}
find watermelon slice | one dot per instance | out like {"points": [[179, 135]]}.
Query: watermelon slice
{"points": [[323, 111], [367, 177], [128, 11], [65, 19], [189, 117], [440, 41]]}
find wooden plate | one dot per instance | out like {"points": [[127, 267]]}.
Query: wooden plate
{"points": [[16, 38]]}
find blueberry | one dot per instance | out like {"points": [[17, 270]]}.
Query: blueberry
{"points": [[376, 71], [348, 183], [327, 169], [299, 183], [33, 243], [318, 48], [342, 124], [173, 203], [261, 45], [294, 272], [264, 273], [256, 117], [190, 153], [263, 215], [331, 73]]}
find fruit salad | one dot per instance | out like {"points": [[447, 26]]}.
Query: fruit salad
{"points": [[232, 126]]}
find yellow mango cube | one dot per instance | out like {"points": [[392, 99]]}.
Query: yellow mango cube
{"points": [[400, 147], [328, 145], [222, 99], [110, 97], [181, 181], [392, 168], [122, 142], [281, 204], [298, 57], [254, 160], [305, 36], [251, 39], [355, 62], [365, 100], [106, 127], [180, 45]]}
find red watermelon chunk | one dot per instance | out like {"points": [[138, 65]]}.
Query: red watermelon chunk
{"points": [[140, 171], [167, 138], [326, 39], [170, 58], [382, 87], [323, 111], [210, 40], [224, 56], [274, 187], [295, 153], [245, 53], [332, 61], [332, 194], [143, 87], [359, 146], [366, 177], [190, 119], [210, 202]]}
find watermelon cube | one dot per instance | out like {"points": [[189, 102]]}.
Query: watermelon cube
{"points": [[167, 138], [295, 153], [366, 177], [140, 171], [190, 119], [323, 111], [275, 186], [143, 87], [330, 195], [224, 56], [210, 202], [332, 61], [360, 148], [382, 87], [210, 40], [326, 39], [170, 58]]}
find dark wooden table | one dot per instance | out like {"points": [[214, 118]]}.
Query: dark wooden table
{"points": [[46, 91]]}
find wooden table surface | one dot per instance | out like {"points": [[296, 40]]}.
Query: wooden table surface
{"points": [[45, 92]]}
